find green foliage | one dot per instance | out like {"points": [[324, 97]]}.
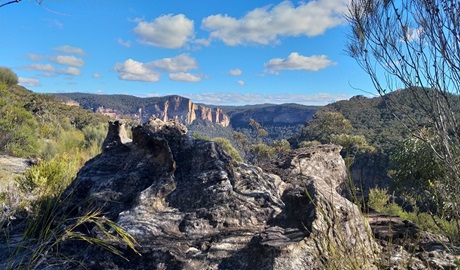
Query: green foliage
{"points": [[50, 177], [202, 137], [240, 139], [262, 151], [378, 199], [228, 148], [262, 132], [352, 143], [46, 231], [8, 77], [308, 143], [325, 124], [18, 127], [417, 173], [281, 146], [94, 134]]}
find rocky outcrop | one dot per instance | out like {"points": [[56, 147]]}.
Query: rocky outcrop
{"points": [[405, 246], [190, 206], [183, 110]]}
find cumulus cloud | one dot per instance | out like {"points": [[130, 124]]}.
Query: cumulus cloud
{"points": [[235, 72], [240, 82], [184, 77], [319, 99], [123, 43], [73, 71], [295, 61], [180, 63], [132, 70], [97, 75], [68, 60], [414, 34], [70, 49], [150, 71], [41, 67], [167, 31], [49, 70], [265, 25], [29, 81]]}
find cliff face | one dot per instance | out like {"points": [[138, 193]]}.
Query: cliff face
{"points": [[275, 115], [177, 108]]}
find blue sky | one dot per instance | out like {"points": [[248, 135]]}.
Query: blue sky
{"points": [[217, 52]]}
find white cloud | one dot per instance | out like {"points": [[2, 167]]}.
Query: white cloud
{"points": [[184, 77], [265, 25], [182, 62], [29, 81], [132, 70], [41, 67], [34, 57], [49, 70], [295, 61], [68, 60], [414, 34], [70, 49], [240, 82], [123, 43], [97, 75], [235, 72], [319, 99], [166, 31], [73, 71], [202, 41]]}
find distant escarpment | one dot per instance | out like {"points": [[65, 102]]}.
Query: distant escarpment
{"points": [[271, 115], [165, 108]]}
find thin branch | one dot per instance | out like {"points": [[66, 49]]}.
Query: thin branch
{"points": [[10, 2]]}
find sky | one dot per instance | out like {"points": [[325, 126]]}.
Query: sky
{"points": [[216, 52]]}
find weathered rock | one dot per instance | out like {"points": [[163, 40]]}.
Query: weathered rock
{"points": [[405, 246], [116, 135], [11, 167], [190, 206]]}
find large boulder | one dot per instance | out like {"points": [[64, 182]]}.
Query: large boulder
{"points": [[190, 206]]}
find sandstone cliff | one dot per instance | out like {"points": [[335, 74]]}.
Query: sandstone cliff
{"points": [[165, 108], [183, 110]]}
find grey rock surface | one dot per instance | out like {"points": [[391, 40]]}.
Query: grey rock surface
{"points": [[190, 206]]}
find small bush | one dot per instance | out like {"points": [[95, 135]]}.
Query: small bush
{"points": [[50, 177], [228, 148], [378, 199], [308, 143], [8, 77]]}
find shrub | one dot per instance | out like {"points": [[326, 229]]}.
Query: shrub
{"points": [[8, 77], [48, 178], [228, 148], [378, 199]]}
